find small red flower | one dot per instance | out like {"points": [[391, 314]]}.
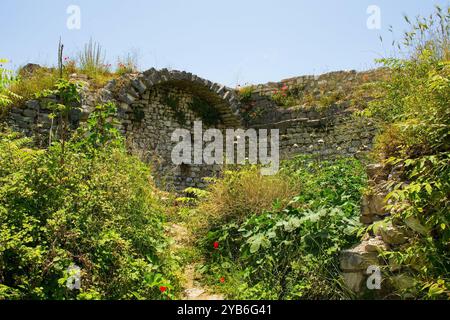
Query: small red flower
{"points": [[222, 280], [216, 245], [162, 289]]}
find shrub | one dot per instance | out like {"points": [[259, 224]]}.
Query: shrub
{"points": [[284, 97], [414, 109], [290, 253], [98, 210], [7, 96], [245, 93], [28, 85], [242, 192], [6, 80]]}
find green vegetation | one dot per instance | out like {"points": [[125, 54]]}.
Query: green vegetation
{"points": [[91, 61], [245, 93], [6, 80], [174, 104], [414, 112], [29, 84], [86, 203], [268, 241], [127, 64]]}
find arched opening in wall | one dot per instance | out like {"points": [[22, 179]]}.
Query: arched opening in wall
{"points": [[185, 170]]}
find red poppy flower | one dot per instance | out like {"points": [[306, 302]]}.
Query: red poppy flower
{"points": [[162, 289], [222, 280], [216, 245]]}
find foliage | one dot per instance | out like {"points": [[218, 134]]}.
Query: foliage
{"points": [[291, 253], [173, 103], [92, 60], [414, 111], [98, 210], [6, 80], [242, 192], [245, 93], [284, 97], [127, 64]]}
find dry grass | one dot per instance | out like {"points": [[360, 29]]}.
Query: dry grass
{"points": [[240, 193], [28, 85]]}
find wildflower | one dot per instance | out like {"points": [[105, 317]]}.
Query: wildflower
{"points": [[216, 245], [162, 289], [222, 280]]}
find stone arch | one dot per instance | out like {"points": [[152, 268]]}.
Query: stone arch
{"points": [[222, 98], [148, 119]]}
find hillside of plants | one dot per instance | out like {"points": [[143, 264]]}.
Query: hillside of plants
{"points": [[87, 201]]}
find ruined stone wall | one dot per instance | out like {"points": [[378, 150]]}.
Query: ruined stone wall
{"points": [[312, 87], [151, 105], [148, 124]]}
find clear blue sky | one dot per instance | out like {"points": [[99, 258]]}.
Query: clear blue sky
{"points": [[229, 41]]}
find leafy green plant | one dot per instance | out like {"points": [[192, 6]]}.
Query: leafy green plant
{"points": [[415, 117], [284, 97], [245, 93], [6, 80], [66, 98], [99, 210], [291, 252]]}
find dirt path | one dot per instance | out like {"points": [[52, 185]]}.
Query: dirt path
{"points": [[193, 288]]}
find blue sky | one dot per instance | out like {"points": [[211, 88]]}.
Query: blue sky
{"points": [[229, 41]]}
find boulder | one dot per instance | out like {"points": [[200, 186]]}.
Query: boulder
{"points": [[354, 281], [358, 258], [390, 234]]}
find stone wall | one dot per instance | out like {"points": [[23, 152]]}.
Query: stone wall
{"points": [[314, 86], [152, 104]]}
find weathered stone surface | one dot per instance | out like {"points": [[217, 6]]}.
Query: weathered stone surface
{"points": [[354, 281], [148, 121], [357, 258], [376, 245], [390, 233], [373, 204]]}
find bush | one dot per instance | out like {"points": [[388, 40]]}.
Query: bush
{"points": [[6, 80], [240, 193], [291, 253], [415, 110], [98, 210], [28, 85]]}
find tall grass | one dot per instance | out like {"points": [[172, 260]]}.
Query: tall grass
{"points": [[430, 33], [127, 64], [92, 60]]}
